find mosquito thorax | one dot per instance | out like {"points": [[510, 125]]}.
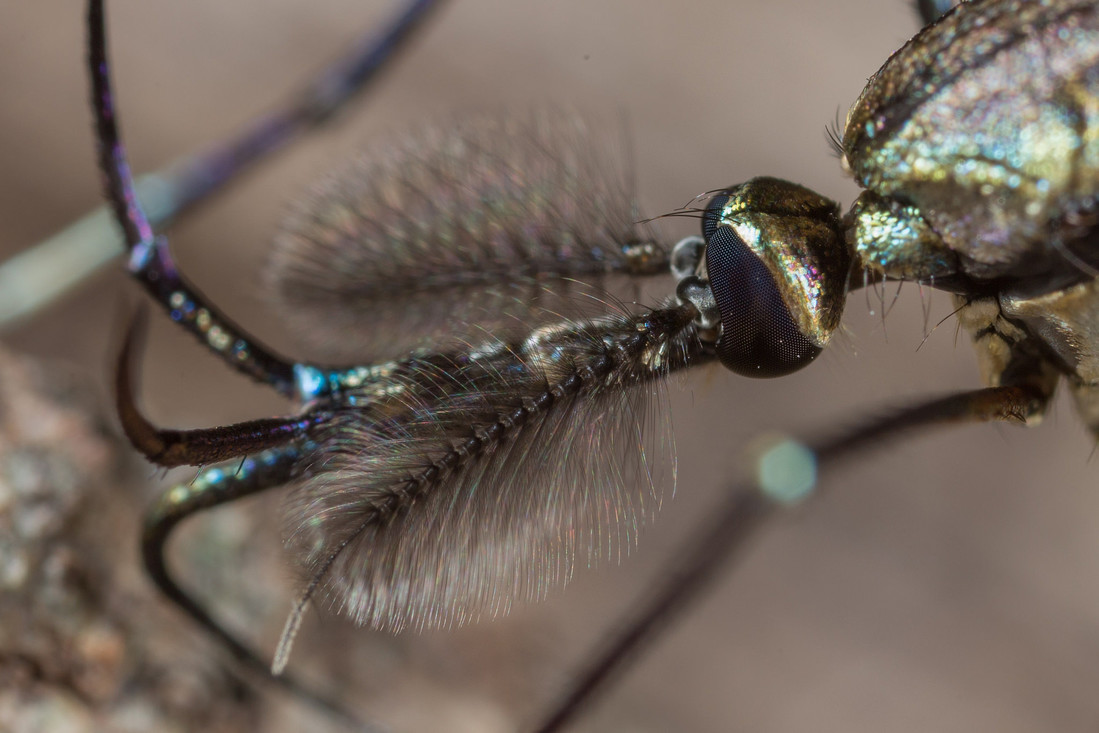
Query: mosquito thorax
{"points": [[768, 276], [893, 239]]}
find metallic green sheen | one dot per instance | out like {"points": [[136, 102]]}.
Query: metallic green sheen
{"points": [[987, 123], [894, 239], [796, 234]]}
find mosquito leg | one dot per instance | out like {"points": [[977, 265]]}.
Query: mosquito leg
{"points": [[32, 278], [194, 179], [150, 260], [212, 487], [203, 446], [749, 507]]}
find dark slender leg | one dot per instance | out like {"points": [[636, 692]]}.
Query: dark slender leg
{"points": [[747, 510], [211, 488], [194, 179], [203, 446], [91, 241], [151, 262], [150, 259], [932, 10]]}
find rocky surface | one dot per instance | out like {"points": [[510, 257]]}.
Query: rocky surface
{"points": [[84, 646]]}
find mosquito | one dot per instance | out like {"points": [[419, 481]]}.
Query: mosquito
{"points": [[687, 331]]}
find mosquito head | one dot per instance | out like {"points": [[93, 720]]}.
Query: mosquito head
{"points": [[769, 275]]}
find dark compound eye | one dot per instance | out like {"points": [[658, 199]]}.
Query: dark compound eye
{"points": [[759, 335], [711, 217], [777, 263]]}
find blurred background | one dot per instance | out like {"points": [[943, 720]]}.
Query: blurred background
{"points": [[949, 583]]}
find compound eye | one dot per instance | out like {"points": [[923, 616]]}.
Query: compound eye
{"points": [[777, 262], [711, 217], [759, 336]]}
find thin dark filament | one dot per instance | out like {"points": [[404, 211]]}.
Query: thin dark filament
{"points": [[925, 306], [150, 260], [687, 210], [943, 320], [834, 132], [880, 292], [746, 510], [174, 189], [199, 447], [683, 213], [160, 525], [896, 297], [196, 178], [112, 158], [297, 613]]}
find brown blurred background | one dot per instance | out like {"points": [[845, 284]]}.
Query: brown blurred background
{"points": [[951, 584]]}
